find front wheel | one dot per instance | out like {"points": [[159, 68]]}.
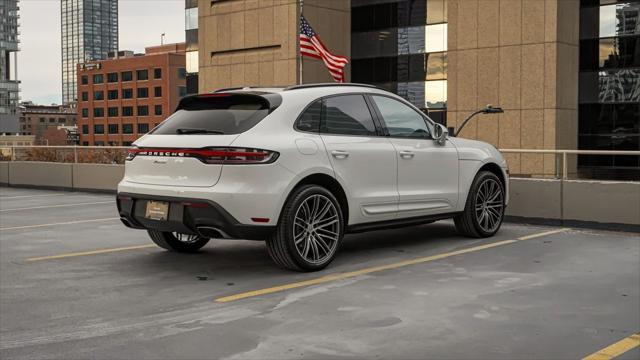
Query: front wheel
{"points": [[484, 209], [309, 232], [177, 242]]}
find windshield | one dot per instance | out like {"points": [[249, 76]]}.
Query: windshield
{"points": [[215, 115]]}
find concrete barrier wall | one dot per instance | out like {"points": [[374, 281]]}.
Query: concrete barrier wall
{"points": [[604, 202], [35, 173], [97, 176], [535, 198], [4, 172]]}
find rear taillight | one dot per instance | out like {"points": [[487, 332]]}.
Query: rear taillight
{"points": [[230, 156], [131, 153]]}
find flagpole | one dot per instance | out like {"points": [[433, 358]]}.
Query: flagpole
{"points": [[298, 40]]}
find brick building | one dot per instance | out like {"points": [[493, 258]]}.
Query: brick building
{"points": [[37, 119], [125, 96]]}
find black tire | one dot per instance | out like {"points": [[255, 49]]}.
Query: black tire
{"points": [[281, 246], [169, 241], [467, 223]]}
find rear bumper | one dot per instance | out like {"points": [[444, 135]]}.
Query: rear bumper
{"points": [[189, 216]]}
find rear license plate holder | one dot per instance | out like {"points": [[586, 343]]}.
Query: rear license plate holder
{"points": [[157, 210]]}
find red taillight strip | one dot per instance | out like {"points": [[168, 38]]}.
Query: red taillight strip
{"points": [[202, 152]]}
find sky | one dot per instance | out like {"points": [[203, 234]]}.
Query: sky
{"points": [[40, 60]]}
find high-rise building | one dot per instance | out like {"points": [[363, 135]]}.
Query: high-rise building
{"points": [[9, 84], [124, 97], [566, 72], [89, 33], [191, 36]]}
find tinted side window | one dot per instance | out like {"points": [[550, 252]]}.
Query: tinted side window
{"points": [[310, 118], [347, 115], [401, 120]]}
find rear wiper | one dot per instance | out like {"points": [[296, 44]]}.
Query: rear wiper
{"points": [[186, 131]]}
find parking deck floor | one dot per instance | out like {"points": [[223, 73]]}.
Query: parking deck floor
{"points": [[75, 283]]}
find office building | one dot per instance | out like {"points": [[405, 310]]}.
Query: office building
{"points": [[191, 36], [36, 119], [122, 98], [9, 84], [89, 33], [566, 72]]}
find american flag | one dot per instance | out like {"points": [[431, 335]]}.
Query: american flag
{"points": [[312, 46]]}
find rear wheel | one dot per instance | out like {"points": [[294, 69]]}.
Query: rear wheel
{"points": [[484, 210], [309, 232], [178, 242]]}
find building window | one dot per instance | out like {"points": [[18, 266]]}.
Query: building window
{"points": [[143, 128], [158, 110], [182, 91], [112, 94], [127, 128], [112, 77], [98, 112], [191, 62], [85, 113], [127, 93], [52, 120], [127, 76], [85, 129], [157, 91], [100, 143], [84, 80], [191, 18], [98, 79], [98, 95], [85, 96], [113, 128], [98, 129], [143, 92], [126, 143], [112, 111], [143, 110], [608, 88], [182, 73], [127, 111], [61, 120], [157, 73], [142, 75]]}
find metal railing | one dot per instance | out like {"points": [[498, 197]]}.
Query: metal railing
{"points": [[65, 154], [564, 173], [117, 155]]}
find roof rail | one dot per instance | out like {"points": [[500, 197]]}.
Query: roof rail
{"points": [[307, 86]]}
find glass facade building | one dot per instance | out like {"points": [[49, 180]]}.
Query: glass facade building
{"points": [[401, 45], [191, 37], [609, 87], [9, 85], [89, 33]]}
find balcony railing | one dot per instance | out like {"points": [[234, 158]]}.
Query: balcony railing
{"points": [[564, 162]]}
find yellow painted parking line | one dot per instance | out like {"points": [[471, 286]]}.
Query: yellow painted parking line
{"points": [[351, 274], [56, 224], [59, 206], [93, 252], [616, 349]]}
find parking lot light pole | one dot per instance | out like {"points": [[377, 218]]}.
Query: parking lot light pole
{"points": [[487, 110]]}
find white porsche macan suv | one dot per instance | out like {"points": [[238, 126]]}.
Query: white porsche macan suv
{"points": [[301, 166]]}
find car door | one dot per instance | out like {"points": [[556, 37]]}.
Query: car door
{"points": [[362, 160], [427, 171]]}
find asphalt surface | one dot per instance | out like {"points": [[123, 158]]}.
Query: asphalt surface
{"points": [[75, 284]]}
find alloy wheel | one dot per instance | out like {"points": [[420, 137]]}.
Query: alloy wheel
{"points": [[489, 205], [316, 229]]}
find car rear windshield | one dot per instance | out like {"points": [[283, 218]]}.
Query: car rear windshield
{"points": [[215, 114]]}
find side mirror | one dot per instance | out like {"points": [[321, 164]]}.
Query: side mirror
{"points": [[440, 134]]}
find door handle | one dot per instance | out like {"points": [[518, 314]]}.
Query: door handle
{"points": [[407, 154], [340, 154]]}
